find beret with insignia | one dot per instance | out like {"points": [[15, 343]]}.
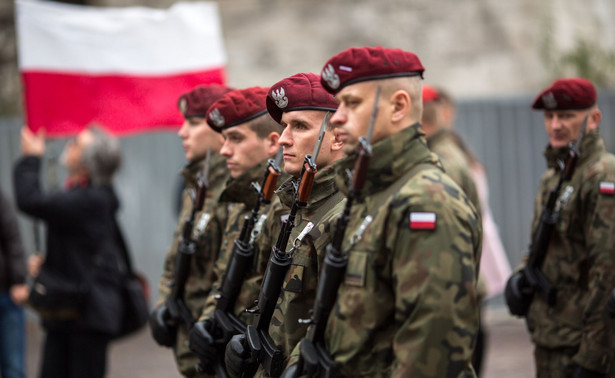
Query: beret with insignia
{"points": [[568, 93], [237, 107], [302, 91], [196, 102], [358, 64]]}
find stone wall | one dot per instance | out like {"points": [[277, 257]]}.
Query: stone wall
{"points": [[479, 48]]}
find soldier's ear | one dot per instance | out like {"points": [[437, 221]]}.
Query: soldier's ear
{"points": [[336, 144], [595, 116], [271, 143], [400, 104]]}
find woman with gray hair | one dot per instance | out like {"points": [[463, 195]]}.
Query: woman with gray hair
{"points": [[83, 247]]}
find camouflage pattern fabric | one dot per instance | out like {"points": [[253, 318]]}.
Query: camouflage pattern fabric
{"points": [[298, 291], [240, 199], [408, 306], [580, 260], [199, 281]]}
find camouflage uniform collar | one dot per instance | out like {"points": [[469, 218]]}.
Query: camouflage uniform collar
{"points": [[439, 136], [391, 158], [239, 190], [592, 143], [190, 171], [324, 187]]}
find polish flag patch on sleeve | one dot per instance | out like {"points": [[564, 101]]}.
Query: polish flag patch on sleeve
{"points": [[607, 187], [422, 221]]}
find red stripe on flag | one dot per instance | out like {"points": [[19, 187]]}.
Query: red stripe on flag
{"points": [[64, 103], [423, 225]]}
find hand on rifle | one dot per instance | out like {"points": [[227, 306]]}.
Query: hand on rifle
{"points": [[517, 294], [202, 343], [162, 331], [237, 357]]}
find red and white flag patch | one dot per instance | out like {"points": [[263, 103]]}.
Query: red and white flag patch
{"points": [[607, 187], [422, 221]]}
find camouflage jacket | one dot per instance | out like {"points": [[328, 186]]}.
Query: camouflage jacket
{"points": [[408, 304], [455, 161], [299, 287], [580, 260], [208, 226], [240, 199]]}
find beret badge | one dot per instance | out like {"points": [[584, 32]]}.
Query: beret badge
{"points": [[216, 118], [329, 75], [549, 100], [280, 98]]}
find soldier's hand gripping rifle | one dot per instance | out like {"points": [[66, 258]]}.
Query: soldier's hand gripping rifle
{"points": [[178, 311], [531, 280], [314, 360], [262, 349], [225, 324]]}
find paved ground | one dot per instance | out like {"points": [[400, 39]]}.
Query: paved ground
{"points": [[509, 352]]}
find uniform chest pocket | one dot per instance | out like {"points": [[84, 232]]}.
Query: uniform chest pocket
{"points": [[569, 223], [356, 271]]}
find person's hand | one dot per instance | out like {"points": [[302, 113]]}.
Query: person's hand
{"points": [[162, 332], [34, 264], [19, 294], [237, 356], [516, 294], [201, 342], [32, 144]]}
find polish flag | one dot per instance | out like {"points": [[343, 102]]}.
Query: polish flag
{"points": [[607, 187], [422, 221], [123, 68]]}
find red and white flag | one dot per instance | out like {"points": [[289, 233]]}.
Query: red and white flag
{"points": [[123, 68], [607, 187], [422, 221]]}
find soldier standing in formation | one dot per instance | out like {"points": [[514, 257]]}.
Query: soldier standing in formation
{"points": [[250, 138], [408, 304], [569, 327], [299, 103], [197, 139]]}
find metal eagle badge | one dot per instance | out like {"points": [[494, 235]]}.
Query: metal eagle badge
{"points": [[216, 118], [280, 98]]}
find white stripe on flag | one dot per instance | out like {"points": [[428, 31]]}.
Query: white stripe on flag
{"points": [[134, 40]]}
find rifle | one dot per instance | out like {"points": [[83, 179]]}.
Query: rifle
{"points": [[225, 323], [262, 348], [178, 311], [314, 360], [535, 278]]}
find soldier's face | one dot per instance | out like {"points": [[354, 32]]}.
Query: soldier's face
{"points": [[197, 137], [301, 129], [351, 120], [243, 149], [563, 126]]}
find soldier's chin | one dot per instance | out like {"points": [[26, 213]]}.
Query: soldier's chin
{"points": [[349, 147]]}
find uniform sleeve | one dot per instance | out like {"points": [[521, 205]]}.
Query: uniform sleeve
{"points": [[436, 304], [600, 243], [10, 243]]}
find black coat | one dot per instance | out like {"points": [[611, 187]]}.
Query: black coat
{"points": [[82, 243], [12, 258]]}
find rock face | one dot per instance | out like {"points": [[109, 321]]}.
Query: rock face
{"points": [[481, 48]]}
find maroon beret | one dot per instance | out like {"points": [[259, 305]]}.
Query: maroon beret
{"points": [[368, 63], [430, 93], [302, 91], [570, 93], [196, 102], [237, 107]]}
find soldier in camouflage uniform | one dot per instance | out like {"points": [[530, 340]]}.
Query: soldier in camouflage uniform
{"points": [[197, 137], [457, 163], [572, 337], [299, 103], [407, 306], [250, 138]]}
